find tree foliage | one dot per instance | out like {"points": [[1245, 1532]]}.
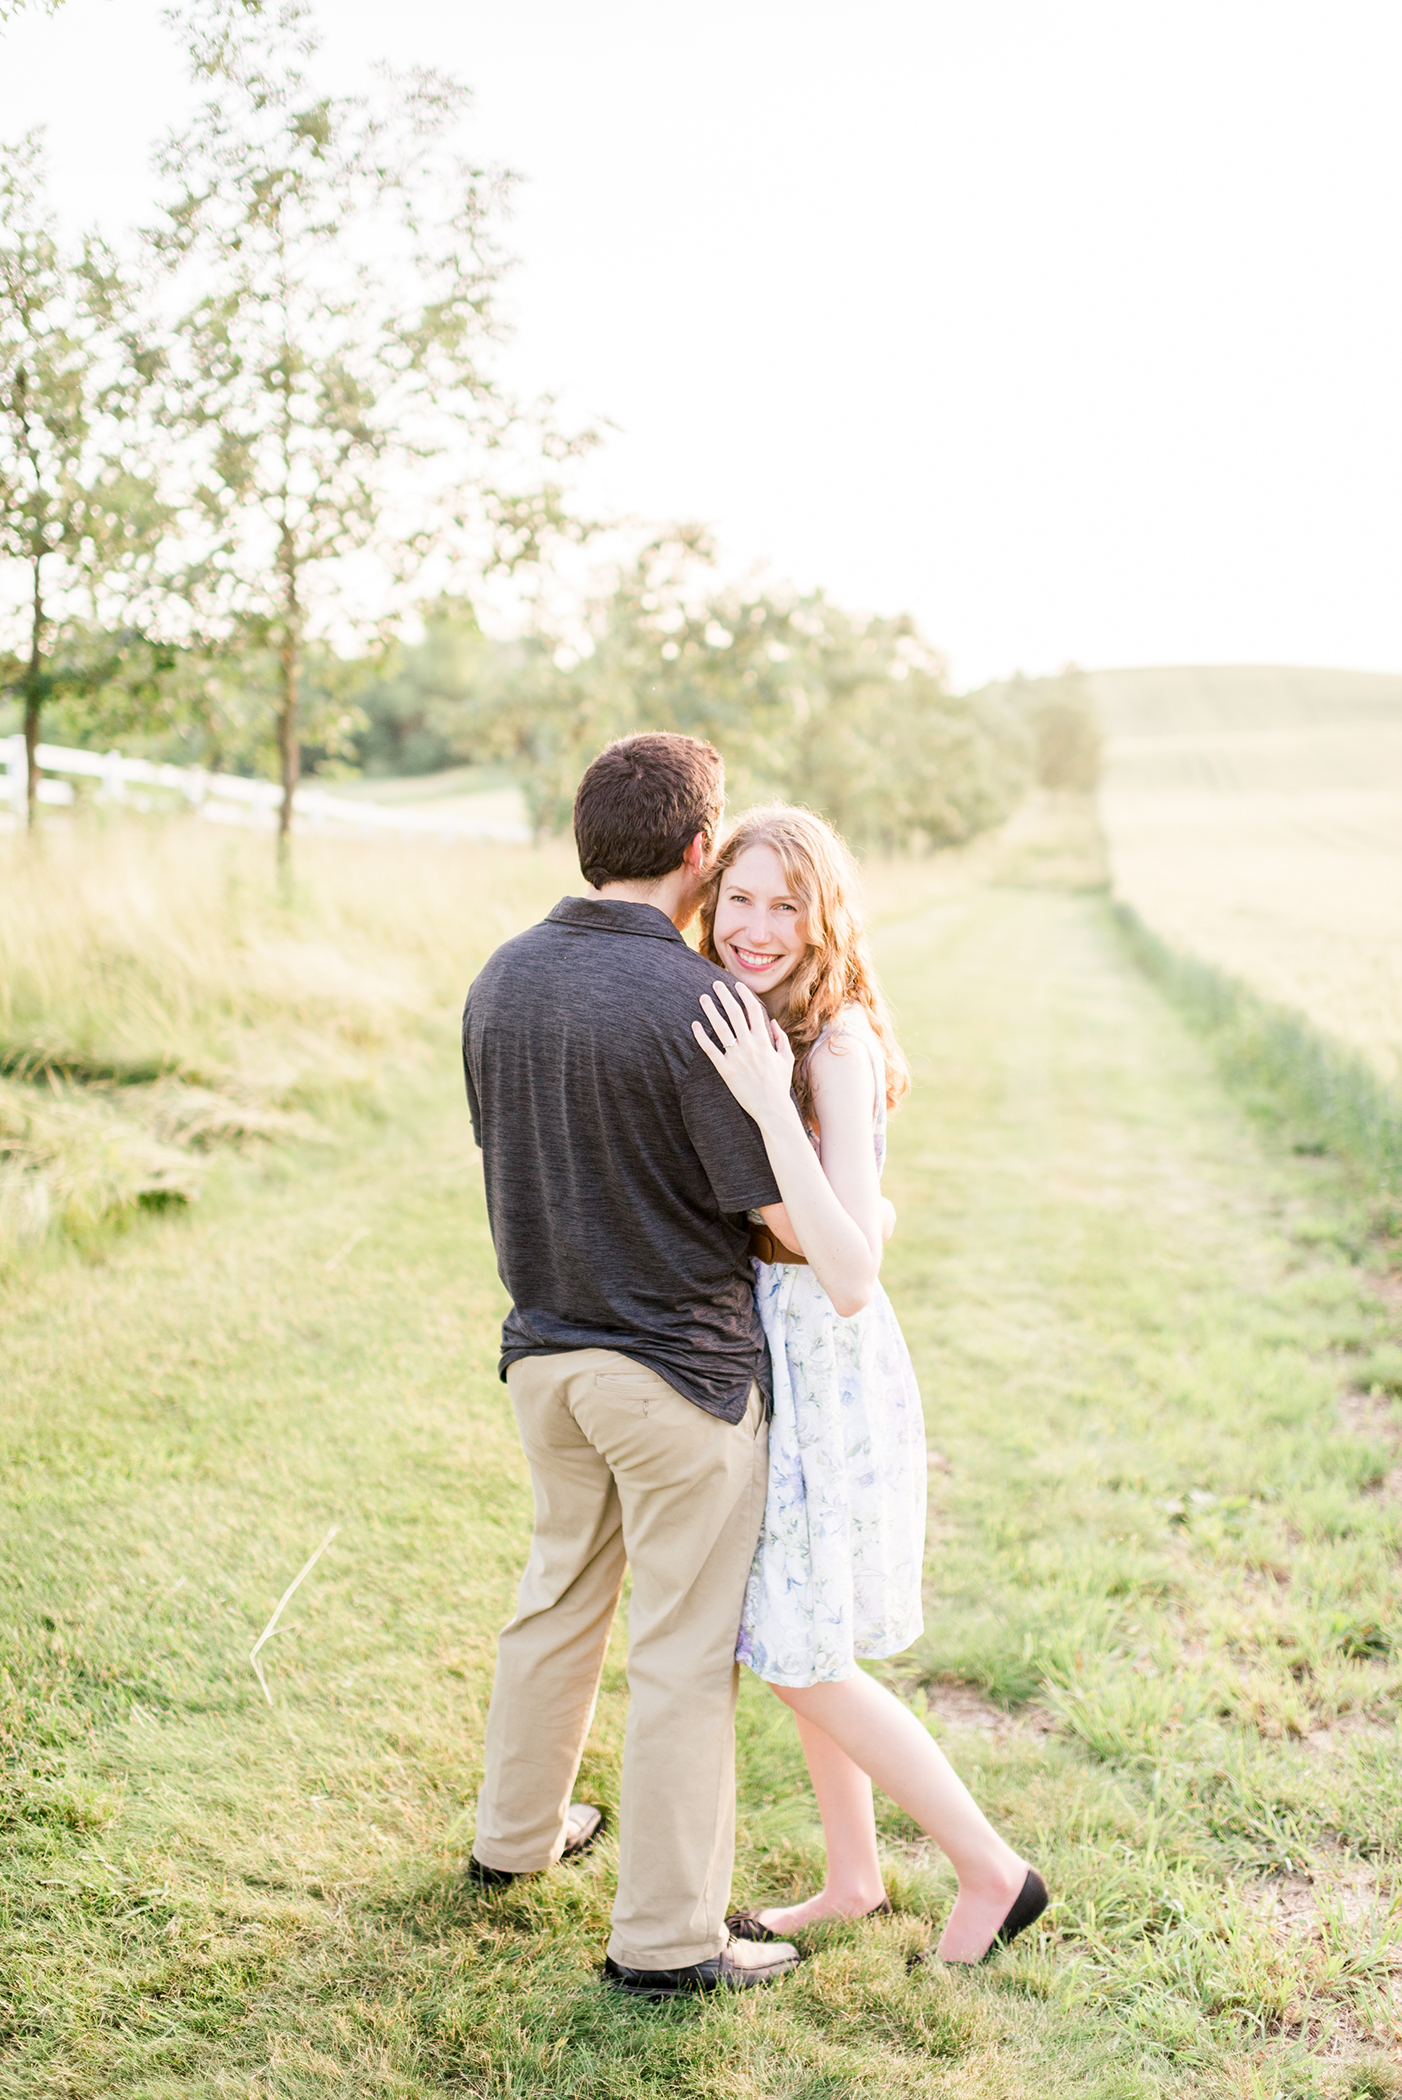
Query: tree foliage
{"points": [[850, 714], [80, 517], [337, 427], [312, 388], [1064, 724]]}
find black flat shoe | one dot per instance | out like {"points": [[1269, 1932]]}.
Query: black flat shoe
{"points": [[584, 1823], [1032, 1900], [745, 1925]]}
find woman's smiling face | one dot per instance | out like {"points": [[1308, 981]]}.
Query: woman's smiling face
{"points": [[761, 927]]}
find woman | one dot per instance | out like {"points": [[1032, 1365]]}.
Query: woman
{"points": [[809, 1051]]}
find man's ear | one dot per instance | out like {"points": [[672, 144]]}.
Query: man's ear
{"points": [[697, 853]]}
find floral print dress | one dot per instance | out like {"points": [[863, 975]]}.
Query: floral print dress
{"points": [[836, 1573]]}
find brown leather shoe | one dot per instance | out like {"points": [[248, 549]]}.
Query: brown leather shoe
{"points": [[738, 1967], [583, 1823]]}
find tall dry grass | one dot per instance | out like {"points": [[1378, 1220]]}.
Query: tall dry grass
{"points": [[1254, 821], [158, 997], [1335, 1098]]}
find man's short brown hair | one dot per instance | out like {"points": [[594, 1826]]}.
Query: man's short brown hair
{"points": [[641, 804]]}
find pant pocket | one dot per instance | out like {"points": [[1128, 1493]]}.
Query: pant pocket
{"points": [[624, 1385]]}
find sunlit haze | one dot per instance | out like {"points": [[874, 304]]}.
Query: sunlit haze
{"points": [[1074, 330]]}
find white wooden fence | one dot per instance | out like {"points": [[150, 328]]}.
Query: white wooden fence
{"points": [[224, 798]]}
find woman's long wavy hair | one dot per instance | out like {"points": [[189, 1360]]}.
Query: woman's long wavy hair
{"points": [[835, 970]]}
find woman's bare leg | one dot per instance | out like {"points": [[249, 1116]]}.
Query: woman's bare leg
{"points": [[853, 1885], [882, 1736]]}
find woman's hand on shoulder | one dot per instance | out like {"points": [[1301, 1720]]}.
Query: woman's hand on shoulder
{"points": [[749, 1050]]}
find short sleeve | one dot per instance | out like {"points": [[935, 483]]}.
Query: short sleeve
{"points": [[726, 1140], [474, 1106]]}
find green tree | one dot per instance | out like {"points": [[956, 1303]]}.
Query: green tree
{"points": [[411, 699], [851, 715], [1067, 733], [328, 383], [80, 518], [1063, 727]]}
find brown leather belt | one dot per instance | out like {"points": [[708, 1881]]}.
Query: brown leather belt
{"points": [[764, 1247]]}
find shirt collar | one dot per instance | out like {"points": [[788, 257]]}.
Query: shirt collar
{"points": [[605, 915]]}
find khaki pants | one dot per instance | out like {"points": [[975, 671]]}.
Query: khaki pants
{"points": [[625, 1470]]}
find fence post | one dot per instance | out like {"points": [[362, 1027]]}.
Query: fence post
{"points": [[17, 774], [112, 776]]}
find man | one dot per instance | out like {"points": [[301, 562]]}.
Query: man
{"points": [[618, 1171]]}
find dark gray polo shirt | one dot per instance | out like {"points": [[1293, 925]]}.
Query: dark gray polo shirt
{"points": [[618, 1165]]}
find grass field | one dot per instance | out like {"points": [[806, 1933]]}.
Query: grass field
{"points": [[161, 1002], [486, 793], [1159, 1350], [1254, 819], [169, 1003]]}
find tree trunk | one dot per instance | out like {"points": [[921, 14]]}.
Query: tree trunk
{"points": [[289, 749], [34, 699]]}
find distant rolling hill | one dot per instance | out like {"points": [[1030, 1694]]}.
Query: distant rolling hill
{"points": [[1187, 699], [1254, 817]]}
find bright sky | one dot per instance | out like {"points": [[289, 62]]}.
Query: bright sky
{"points": [[1074, 329]]}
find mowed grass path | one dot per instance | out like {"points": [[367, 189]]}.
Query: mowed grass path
{"points": [[1160, 1637]]}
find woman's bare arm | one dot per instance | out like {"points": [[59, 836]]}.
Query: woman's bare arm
{"points": [[844, 1088], [832, 1206], [781, 1225]]}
